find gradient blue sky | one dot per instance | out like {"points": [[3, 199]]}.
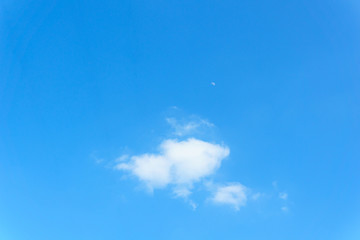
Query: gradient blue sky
{"points": [[85, 82]]}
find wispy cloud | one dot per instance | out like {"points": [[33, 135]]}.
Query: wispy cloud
{"points": [[257, 195], [233, 194], [283, 195], [122, 158], [184, 128], [96, 158], [284, 209]]}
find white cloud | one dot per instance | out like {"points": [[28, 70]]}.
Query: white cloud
{"points": [[188, 127], [178, 163], [181, 191], [284, 209], [96, 159], [256, 196], [185, 165], [122, 158], [283, 195], [234, 194]]}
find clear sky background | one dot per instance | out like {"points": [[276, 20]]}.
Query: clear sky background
{"points": [[87, 87]]}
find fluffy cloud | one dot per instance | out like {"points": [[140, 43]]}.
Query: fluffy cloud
{"points": [[233, 194], [186, 165], [178, 163]]}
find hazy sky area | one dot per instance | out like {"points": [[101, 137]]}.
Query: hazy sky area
{"points": [[174, 120]]}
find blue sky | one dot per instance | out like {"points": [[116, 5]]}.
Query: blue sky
{"points": [[179, 120]]}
